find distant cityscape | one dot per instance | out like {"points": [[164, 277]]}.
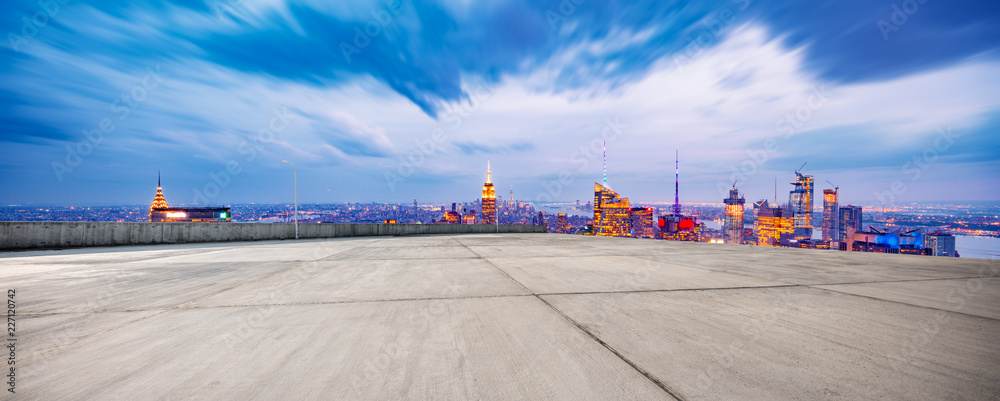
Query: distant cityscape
{"points": [[917, 228]]}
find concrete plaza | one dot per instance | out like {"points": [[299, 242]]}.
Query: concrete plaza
{"points": [[501, 316]]}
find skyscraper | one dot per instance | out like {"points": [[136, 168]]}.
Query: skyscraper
{"points": [[850, 222], [831, 216], [159, 202], [800, 200], [772, 223], [612, 214], [733, 224], [489, 203]]}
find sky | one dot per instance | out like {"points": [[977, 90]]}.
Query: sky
{"points": [[391, 101]]}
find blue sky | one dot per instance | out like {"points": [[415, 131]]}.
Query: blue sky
{"points": [[399, 100]]}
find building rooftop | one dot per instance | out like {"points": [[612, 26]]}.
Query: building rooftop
{"points": [[509, 316]]}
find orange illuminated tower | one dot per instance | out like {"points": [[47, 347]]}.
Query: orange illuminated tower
{"points": [[158, 201], [733, 227], [489, 202]]}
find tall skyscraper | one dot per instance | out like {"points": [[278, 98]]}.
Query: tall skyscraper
{"points": [[159, 202], [612, 213], [489, 203], [831, 216], [800, 200], [733, 223], [850, 222]]}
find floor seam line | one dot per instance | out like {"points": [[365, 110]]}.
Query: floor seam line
{"points": [[608, 347]]}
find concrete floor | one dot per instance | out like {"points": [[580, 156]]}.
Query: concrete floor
{"points": [[511, 316]]}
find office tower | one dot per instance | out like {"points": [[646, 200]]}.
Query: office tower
{"points": [[563, 225], [158, 201], [831, 216], [800, 201], [940, 244], [642, 222], [850, 222], [611, 213], [489, 199], [772, 223], [733, 223], [541, 218]]}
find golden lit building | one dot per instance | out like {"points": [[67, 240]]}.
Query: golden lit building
{"points": [[489, 203], [159, 211], [612, 213], [158, 201], [771, 223]]}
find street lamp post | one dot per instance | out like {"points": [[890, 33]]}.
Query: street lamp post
{"points": [[295, 178]]}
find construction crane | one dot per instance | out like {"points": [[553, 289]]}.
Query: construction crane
{"points": [[800, 168], [835, 187]]}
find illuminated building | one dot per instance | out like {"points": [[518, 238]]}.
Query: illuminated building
{"points": [[389, 221], [471, 217], [642, 222], [452, 216], [489, 202], [733, 223], [831, 216], [800, 200], [612, 213], [563, 224], [889, 242], [850, 222], [159, 202], [675, 227], [159, 211], [940, 244], [772, 223]]}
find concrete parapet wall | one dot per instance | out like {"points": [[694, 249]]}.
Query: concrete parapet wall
{"points": [[36, 235]]}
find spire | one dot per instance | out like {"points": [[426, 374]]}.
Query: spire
{"points": [[605, 164], [158, 201], [488, 171], [677, 180]]}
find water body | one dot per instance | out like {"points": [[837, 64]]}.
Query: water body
{"points": [[977, 247]]}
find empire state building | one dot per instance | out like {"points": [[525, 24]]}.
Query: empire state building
{"points": [[489, 201]]}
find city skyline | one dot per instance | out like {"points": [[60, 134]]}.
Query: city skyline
{"points": [[746, 93]]}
